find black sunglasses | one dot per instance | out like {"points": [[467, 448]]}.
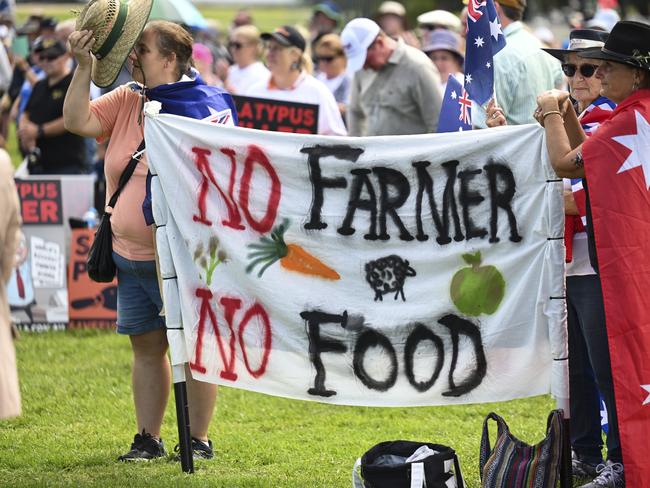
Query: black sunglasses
{"points": [[586, 70], [326, 59], [49, 56], [235, 45]]}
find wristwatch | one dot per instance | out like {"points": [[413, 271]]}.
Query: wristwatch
{"points": [[40, 133]]}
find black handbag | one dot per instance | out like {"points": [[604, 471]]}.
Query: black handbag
{"points": [[100, 264], [407, 464]]}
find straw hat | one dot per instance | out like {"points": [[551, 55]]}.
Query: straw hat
{"points": [[116, 25]]}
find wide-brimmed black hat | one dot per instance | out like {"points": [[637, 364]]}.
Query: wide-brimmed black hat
{"points": [[628, 43], [579, 40]]}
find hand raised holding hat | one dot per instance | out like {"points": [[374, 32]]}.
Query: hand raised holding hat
{"points": [[80, 44]]}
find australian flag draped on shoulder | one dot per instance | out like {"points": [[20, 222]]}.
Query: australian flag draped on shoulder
{"points": [[456, 111], [484, 40], [194, 99]]}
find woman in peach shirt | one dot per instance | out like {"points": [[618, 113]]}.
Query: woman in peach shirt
{"points": [[160, 60]]}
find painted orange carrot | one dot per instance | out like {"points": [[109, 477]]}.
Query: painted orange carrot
{"points": [[291, 256]]}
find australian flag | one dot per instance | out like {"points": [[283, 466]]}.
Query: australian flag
{"points": [[456, 111], [484, 40]]}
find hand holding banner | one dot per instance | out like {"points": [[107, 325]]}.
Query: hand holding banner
{"points": [[362, 271]]}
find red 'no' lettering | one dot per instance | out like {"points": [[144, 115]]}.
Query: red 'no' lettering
{"points": [[256, 156], [230, 305], [203, 165]]}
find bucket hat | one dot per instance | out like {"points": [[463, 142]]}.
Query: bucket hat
{"points": [[116, 25], [439, 19], [391, 7], [579, 40], [628, 43], [446, 40], [330, 10]]}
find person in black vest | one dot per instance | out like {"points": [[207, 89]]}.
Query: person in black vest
{"points": [[52, 149]]}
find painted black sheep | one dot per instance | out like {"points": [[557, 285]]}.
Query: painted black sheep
{"points": [[388, 274]]}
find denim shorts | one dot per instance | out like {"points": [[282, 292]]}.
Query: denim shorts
{"points": [[138, 297]]}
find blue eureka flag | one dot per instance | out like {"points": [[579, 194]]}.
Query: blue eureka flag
{"points": [[484, 40], [456, 111]]}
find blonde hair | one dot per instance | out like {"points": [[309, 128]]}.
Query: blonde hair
{"points": [[252, 35], [249, 32], [306, 64], [331, 42]]}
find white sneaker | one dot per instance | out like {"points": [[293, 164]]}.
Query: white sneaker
{"points": [[610, 475]]}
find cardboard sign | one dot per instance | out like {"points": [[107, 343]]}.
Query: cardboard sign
{"points": [[40, 201], [386, 271], [92, 305], [37, 292], [276, 115]]}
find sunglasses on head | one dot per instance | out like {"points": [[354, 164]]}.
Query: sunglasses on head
{"points": [[586, 70]]}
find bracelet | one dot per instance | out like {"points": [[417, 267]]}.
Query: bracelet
{"points": [[551, 112], [40, 132]]}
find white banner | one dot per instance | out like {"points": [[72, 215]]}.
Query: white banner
{"points": [[410, 270]]}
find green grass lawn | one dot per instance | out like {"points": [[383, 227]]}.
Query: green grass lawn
{"points": [[78, 417]]}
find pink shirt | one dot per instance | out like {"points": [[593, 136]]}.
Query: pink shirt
{"points": [[118, 113]]}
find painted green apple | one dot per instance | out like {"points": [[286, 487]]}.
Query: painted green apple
{"points": [[477, 289]]}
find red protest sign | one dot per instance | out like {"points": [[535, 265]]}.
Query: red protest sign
{"points": [[40, 201], [91, 304], [276, 115]]}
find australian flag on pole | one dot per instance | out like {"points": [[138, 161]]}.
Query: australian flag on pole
{"points": [[456, 111], [484, 40]]}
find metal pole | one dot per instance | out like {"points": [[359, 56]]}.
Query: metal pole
{"points": [[183, 419]]}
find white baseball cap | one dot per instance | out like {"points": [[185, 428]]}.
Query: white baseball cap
{"points": [[356, 37]]}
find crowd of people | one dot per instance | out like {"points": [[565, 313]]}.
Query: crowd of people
{"points": [[369, 77]]}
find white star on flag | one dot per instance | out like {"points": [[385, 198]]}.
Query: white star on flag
{"points": [[468, 78], [453, 95], [646, 388], [478, 42], [639, 144], [488, 65], [495, 29]]}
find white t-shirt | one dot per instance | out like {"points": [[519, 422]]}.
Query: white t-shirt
{"points": [[331, 83], [241, 79], [307, 89]]}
